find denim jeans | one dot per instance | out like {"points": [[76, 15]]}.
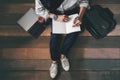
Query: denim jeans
{"points": [[57, 48]]}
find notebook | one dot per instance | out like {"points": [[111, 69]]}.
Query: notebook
{"points": [[65, 27]]}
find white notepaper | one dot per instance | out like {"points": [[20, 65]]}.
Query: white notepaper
{"points": [[65, 27]]}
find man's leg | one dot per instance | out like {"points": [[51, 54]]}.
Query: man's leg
{"points": [[55, 41], [68, 42]]}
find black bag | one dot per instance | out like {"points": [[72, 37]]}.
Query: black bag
{"points": [[98, 21]]}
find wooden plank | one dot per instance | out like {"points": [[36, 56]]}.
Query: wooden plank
{"points": [[43, 42], [115, 32], [25, 53], [94, 53], [75, 53], [15, 30], [117, 18], [115, 8], [22, 42], [78, 64], [25, 75], [25, 64], [89, 42], [20, 8], [71, 75], [96, 64], [9, 18], [81, 42], [16, 1], [1, 53]]}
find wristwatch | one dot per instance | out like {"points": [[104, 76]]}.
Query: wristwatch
{"points": [[55, 17]]}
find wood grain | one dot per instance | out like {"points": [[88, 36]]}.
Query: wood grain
{"points": [[76, 64], [75, 53]]}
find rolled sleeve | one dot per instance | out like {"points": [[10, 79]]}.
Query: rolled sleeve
{"points": [[84, 3], [40, 10]]}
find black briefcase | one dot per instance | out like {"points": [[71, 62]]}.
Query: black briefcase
{"points": [[98, 21]]}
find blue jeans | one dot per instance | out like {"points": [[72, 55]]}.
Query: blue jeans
{"points": [[56, 48]]}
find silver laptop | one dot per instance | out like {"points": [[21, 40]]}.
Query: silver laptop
{"points": [[28, 19]]}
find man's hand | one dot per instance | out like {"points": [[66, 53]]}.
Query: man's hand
{"points": [[63, 18], [77, 21]]}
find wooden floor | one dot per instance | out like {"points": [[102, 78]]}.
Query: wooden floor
{"points": [[25, 58], [71, 75]]}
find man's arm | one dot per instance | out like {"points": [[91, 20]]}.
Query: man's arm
{"points": [[41, 10], [83, 5], [81, 13]]}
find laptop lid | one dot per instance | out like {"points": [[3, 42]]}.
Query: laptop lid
{"points": [[28, 19]]}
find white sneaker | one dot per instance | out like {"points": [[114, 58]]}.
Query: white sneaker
{"points": [[53, 70], [65, 64]]}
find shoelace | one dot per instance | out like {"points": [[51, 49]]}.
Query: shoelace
{"points": [[65, 62], [52, 68]]}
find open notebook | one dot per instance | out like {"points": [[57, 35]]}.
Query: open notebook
{"points": [[65, 27]]}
